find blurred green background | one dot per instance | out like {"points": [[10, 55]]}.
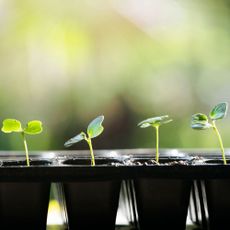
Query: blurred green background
{"points": [[66, 62]]}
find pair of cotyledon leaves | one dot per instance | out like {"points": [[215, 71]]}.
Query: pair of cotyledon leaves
{"points": [[200, 120], [155, 121], [13, 125], [94, 129]]}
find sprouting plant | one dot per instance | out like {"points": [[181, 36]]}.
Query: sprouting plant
{"points": [[200, 122], [155, 122], [94, 129], [32, 128]]}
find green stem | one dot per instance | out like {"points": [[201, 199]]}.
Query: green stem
{"points": [[157, 143], [91, 151], [26, 149], [220, 141]]}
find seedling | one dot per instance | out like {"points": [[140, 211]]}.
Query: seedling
{"points": [[94, 129], [200, 122], [32, 128], [155, 122]]}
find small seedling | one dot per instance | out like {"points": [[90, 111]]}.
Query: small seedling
{"points": [[32, 128], [94, 129], [200, 122], [155, 122]]}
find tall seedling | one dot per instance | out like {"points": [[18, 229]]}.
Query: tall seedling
{"points": [[200, 122], [94, 129], [155, 122], [32, 128]]}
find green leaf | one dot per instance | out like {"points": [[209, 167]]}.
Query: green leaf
{"points": [[75, 139], [154, 121], [95, 127], [33, 127], [219, 111], [200, 126], [199, 118], [200, 121], [11, 125]]}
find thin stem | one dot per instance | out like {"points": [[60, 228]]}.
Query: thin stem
{"points": [[91, 151], [26, 149], [220, 141], [157, 143]]}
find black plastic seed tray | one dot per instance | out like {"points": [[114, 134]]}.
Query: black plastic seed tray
{"points": [[125, 164]]}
